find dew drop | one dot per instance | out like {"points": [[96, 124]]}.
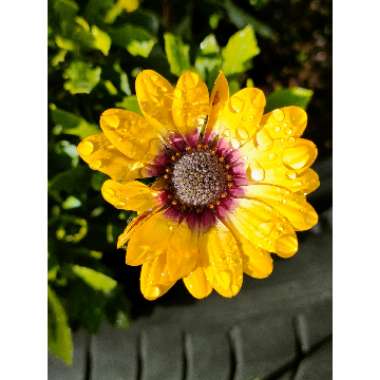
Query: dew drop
{"points": [[242, 133], [263, 140], [278, 115], [86, 148], [257, 174], [155, 292], [296, 157], [96, 164], [111, 120], [237, 104]]}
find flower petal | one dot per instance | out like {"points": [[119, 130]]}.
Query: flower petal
{"points": [[281, 162], [155, 97], [240, 117], [131, 135], [285, 122], [263, 226], [191, 102], [150, 239], [293, 206], [225, 269], [132, 195], [219, 97], [257, 263], [197, 284], [182, 251], [154, 280], [98, 152]]}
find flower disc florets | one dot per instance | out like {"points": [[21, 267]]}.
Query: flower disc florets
{"points": [[202, 176], [198, 178]]}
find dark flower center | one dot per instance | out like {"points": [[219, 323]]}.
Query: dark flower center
{"points": [[198, 178]]}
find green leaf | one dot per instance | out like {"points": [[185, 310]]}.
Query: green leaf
{"points": [[294, 96], [81, 77], [71, 124], [97, 280], [71, 229], [177, 53], [241, 18], [208, 61], [135, 39], [102, 40], [241, 47], [59, 333], [71, 202], [130, 103]]}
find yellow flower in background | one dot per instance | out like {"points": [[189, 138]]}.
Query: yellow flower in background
{"points": [[230, 183], [120, 6]]}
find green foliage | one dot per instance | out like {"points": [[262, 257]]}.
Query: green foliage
{"points": [[59, 333], [294, 96], [241, 47], [96, 49], [96, 280], [177, 53], [81, 77]]}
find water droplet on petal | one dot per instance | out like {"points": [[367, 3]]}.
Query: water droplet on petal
{"points": [[96, 164], [257, 173], [263, 140], [86, 148], [242, 133], [112, 121], [291, 175], [237, 104], [155, 292], [278, 115], [297, 157]]}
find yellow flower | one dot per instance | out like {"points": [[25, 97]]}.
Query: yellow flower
{"points": [[230, 186]]}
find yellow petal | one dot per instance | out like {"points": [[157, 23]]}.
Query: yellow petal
{"points": [[191, 102], [257, 263], [293, 206], [155, 97], [285, 122], [98, 152], [263, 226], [281, 162], [150, 239], [154, 281], [126, 234], [197, 284], [218, 99], [131, 134], [182, 251], [240, 117], [225, 269], [132, 195]]}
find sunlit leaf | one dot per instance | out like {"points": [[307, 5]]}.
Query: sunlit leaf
{"points": [[102, 40], [71, 124], [130, 103], [177, 53], [134, 38], [81, 77], [97, 280], [241, 47], [208, 60], [71, 229], [294, 96], [59, 333], [71, 202]]}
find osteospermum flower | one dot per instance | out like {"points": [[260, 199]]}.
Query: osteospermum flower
{"points": [[230, 183]]}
